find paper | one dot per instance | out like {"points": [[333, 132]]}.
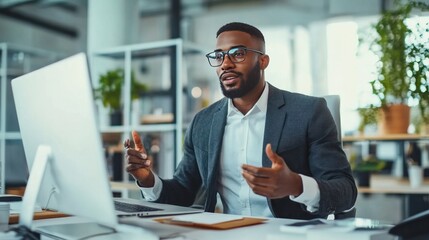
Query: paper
{"points": [[206, 218], [343, 225]]}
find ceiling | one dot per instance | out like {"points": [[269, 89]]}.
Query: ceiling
{"points": [[55, 15], [60, 15]]}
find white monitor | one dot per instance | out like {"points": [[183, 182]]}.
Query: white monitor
{"points": [[56, 114]]}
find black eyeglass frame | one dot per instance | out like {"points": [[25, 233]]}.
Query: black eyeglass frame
{"points": [[233, 59]]}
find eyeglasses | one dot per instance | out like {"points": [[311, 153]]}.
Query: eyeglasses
{"points": [[236, 55]]}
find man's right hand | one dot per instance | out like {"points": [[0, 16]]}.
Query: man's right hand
{"points": [[139, 163]]}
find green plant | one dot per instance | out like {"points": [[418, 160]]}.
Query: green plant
{"points": [[368, 116], [362, 168], [419, 62], [368, 164], [110, 89], [402, 67]]}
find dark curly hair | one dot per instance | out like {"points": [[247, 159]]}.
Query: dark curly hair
{"points": [[242, 27]]}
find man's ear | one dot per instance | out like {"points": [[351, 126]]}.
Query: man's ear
{"points": [[264, 61]]}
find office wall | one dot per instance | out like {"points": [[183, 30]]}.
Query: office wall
{"points": [[32, 35]]}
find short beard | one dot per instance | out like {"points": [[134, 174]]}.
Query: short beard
{"points": [[246, 86]]}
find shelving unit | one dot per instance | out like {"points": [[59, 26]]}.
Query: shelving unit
{"points": [[392, 187], [162, 67], [15, 60], [400, 140]]}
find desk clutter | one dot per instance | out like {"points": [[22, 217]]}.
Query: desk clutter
{"points": [[320, 229], [211, 221], [9, 204], [4, 212], [10, 207]]}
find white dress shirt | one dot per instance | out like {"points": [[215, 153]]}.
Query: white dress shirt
{"points": [[242, 144]]}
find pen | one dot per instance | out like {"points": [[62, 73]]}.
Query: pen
{"points": [[127, 143]]}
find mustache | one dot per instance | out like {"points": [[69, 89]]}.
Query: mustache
{"points": [[234, 72]]}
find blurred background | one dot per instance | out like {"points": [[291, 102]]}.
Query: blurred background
{"points": [[316, 47]]}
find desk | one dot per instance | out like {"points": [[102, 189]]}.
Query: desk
{"points": [[393, 185], [269, 230], [388, 137], [391, 192], [14, 218]]}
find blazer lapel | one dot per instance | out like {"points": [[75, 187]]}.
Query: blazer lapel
{"points": [[217, 129], [274, 122]]}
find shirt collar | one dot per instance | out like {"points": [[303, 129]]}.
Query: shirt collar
{"points": [[260, 105]]}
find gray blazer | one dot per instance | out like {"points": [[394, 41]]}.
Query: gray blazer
{"points": [[300, 129]]}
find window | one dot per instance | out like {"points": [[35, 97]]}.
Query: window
{"points": [[350, 67]]}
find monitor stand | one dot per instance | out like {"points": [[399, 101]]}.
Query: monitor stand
{"points": [[43, 154], [64, 231], [67, 230]]}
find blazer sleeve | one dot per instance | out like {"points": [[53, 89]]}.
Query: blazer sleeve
{"points": [[304, 132], [328, 163], [183, 187]]}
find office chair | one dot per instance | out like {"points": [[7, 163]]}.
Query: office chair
{"points": [[333, 102]]}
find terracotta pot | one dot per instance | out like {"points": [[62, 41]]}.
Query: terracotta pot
{"points": [[394, 119]]}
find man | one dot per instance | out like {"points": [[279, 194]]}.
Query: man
{"points": [[265, 151]]}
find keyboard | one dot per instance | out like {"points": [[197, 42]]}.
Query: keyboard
{"points": [[129, 207]]}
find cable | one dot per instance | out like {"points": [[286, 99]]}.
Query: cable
{"points": [[53, 190]]}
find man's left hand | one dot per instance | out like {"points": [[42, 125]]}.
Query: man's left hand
{"points": [[275, 182]]}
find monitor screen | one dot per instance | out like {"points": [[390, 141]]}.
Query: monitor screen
{"points": [[56, 108]]}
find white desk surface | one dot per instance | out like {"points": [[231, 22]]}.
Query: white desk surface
{"points": [[270, 230]]}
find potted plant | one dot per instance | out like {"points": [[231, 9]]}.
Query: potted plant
{"points": [[362, 169], [398, 69], [109, 92], [368, 116]]}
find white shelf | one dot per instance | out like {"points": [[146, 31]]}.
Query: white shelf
{"points": [[15, 60], [12, 135], [130, 58], [139, 128]]}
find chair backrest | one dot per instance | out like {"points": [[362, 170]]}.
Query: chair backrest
{"points": [[333, 102]]}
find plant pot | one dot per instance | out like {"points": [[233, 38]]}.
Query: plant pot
{"points": [[394, 119], [116, 118], [363, 178]]}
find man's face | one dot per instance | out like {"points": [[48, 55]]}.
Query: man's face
{"points": [[238, 79]]}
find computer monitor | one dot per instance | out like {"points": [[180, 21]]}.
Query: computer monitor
{"points": [[56, 114]]}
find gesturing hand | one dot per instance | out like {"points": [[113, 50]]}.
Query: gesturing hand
{"points": [[275, 182], [139, 163]]}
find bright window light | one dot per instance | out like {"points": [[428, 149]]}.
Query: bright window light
{"points": [[349, 70]]}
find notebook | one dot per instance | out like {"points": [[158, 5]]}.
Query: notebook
{"points": [[57, 118]]}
